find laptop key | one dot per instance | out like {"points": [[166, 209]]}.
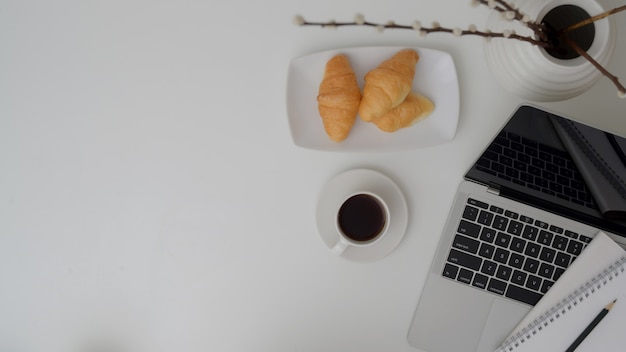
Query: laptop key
{"points": [[523, 295], [500, 222], [518, 245], [545, 237], [501, 256], [546, 270], [519, 277], [535, 171], [556, 229], [491, 155], [465, 243], [511, 214], [477, 203], [526, 219], [504, 272], [575, 247], [485, 218], [503, 240], [496, 286], [486, 250], [533, 282], [464, 259], [487, 235], [530, 232], [557, 273], [465, 276], [516, 260], [489, 268], [547, 254], [560, 242], [546, 286], [450, 270], [531, 265], [496, 209], [480, 281], [562, 259], [470, 213], [468, 228], [515, 228], [532, 250], [509, 153]]}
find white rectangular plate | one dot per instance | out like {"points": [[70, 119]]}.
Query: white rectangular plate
{"points": [[435, 78]]}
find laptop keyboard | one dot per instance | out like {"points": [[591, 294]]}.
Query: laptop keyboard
{"points": [[536, 166], [508, 253]]}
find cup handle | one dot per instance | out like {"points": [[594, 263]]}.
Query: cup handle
{"points": [[340, 246]]}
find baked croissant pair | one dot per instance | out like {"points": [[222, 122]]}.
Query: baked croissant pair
{"points": [[387, 99]]}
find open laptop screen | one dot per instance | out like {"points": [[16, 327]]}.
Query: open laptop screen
{"points": [[558, 165]]}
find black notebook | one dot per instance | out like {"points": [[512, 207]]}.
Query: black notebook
{"points": [[601, 160]]}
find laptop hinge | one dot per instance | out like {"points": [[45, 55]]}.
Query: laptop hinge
{"points": [[493, 188]]}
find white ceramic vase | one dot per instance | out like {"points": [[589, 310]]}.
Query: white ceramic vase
{"points": [[529, 71]]}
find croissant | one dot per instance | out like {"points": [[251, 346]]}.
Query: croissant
{"points": [[338, 98], [414, 108], [387, 85]]}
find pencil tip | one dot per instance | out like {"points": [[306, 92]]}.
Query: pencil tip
{"points": [[610, 305]]}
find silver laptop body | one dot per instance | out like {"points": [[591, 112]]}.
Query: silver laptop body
{"points": [[459, 309]]}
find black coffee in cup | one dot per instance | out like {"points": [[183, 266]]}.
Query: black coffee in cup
{"points": [[361, 218]]}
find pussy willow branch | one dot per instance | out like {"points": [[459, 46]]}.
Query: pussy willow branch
{"points": [[594, 18], [426, 30], [512, 13], [509, 12], [581, 52]]}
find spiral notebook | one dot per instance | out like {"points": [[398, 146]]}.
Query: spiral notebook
{"points": [[568, 308]]}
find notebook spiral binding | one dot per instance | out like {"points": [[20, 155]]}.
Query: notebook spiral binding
{"points": [[567, 304]]}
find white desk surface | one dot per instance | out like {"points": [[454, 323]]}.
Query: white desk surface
{"points": [[151, 197]]}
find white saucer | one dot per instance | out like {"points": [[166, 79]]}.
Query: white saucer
{"points": [[346, 184]]}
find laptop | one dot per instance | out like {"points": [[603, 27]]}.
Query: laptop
{"points": [[528, 206]]}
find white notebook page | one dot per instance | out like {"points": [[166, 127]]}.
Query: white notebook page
{"points": [[570, 320]]}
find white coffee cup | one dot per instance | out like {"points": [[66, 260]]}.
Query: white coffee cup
{"points": [[362, 220]]}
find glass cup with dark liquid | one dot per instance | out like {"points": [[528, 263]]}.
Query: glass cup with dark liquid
{"points": [[362, 220]]}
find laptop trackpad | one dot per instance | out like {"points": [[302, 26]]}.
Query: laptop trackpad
{"points": [[503, 318], [449, 317]]}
